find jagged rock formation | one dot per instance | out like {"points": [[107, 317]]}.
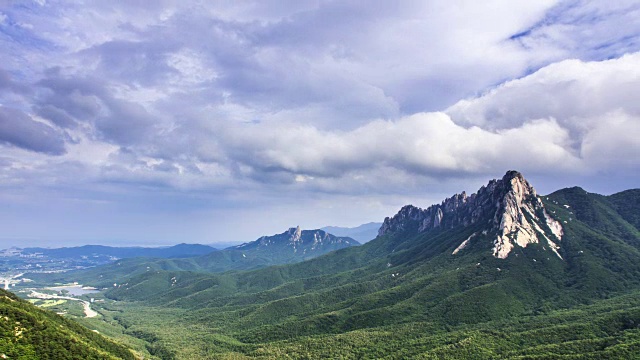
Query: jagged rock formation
{"points": [[303, 241], [509, 206]]}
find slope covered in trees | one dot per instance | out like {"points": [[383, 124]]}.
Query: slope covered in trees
{"points": [[27, 332]]}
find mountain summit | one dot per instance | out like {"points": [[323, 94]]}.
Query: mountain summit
{"points": [[307, 243], [509, 208]]}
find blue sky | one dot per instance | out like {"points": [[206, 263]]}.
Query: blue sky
{"points": [[188, 121]]}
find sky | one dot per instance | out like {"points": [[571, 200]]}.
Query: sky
{"points": [[125, 123]]}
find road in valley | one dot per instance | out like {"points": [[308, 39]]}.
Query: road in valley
{"points": [[88, 312]]}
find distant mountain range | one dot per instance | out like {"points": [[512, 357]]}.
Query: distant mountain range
{"points": [[293, 245], [16, 260], [180, 250], [362, 233]]}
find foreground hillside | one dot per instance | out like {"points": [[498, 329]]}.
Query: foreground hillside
{"points": [[27, 332], [502, 273]]}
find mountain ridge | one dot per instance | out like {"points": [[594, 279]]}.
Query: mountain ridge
{"points": [[514, 212]]}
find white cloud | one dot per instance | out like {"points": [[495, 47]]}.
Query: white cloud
{"points": [[595, 102], [612, 141], [424, 144]]}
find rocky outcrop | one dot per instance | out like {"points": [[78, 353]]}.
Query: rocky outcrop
{"points": [[296, 234], [509, 207], [296, 239]]}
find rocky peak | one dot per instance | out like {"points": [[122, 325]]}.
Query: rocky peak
{"points": [[510, 207], [296, 239], [295, 233]]}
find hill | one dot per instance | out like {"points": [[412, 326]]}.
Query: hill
{"points": [[27, 332]]}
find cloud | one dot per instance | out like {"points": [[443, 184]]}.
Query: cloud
{"points": [[56, 115], [503, 129], [422, 145], [588, 30], [135, 62], [72, 100], [594, 101], [613, 142], [6, 82], [20, 130], [569, 90], [329, 64]]}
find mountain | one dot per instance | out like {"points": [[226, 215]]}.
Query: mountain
{"points": [[507, 210], [27, 332], [43, 260], [362, 233], [291, 246], [176, 251], [480, 276], [294, 244], [627, 204]]}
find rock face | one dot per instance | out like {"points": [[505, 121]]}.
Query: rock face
{"points": [[299, 241], [509, 207]]}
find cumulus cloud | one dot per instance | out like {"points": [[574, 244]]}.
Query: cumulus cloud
{"points": [[426, 144], [594, 101], [20, 130]]}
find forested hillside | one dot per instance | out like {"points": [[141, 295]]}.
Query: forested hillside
{"points": [[27, 332]]}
